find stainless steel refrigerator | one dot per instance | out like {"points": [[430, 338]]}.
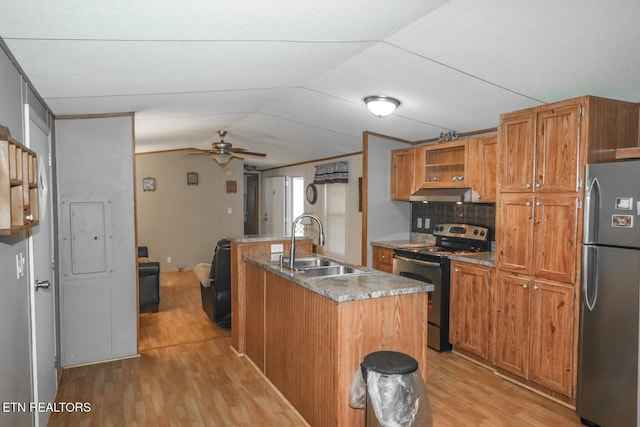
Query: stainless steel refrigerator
{"points": [[607, 393]]}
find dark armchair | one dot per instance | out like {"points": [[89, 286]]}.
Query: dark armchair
{"points": [[216, 289], [148, 282]]}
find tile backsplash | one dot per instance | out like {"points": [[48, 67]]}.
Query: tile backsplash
{"points": [[483, 214]]}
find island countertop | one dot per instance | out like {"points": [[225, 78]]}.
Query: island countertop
{"points": [[350, 287], [253, 238]]}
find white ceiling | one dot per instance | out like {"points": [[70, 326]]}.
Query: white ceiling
{"points": [[287, 77]]}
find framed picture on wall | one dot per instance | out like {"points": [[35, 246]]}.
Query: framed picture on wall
{"points": [[148, 184], [192, 178]]}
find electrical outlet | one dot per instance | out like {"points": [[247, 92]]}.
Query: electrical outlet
{"points": [[229, 211], [419, 224], [277, 248], [427, 222], [169, 260]]}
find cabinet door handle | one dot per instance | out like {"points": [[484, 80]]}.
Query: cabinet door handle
{"points": [[538, 185], [457, 270], [538, 204], [528, 185], [535, 287], [524, 285], [528, 204]]}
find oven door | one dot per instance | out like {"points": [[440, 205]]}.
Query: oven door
{"points": [[438, 313]]}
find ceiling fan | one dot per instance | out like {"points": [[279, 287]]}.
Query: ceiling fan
{"points": [[222, 152]]}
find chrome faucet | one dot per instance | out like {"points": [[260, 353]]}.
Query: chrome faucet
{"points": [[292, 249]]}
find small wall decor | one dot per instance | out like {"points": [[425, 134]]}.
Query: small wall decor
{"points": [[192, 178], [232, 186], [148, 184], [312, 193]]}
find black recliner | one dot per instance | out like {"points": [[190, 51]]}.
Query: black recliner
{"points": [[216, 297], [148, 282]]}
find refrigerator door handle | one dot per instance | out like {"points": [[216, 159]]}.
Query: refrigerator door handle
{"points": [[590, 276], [591, 211]]}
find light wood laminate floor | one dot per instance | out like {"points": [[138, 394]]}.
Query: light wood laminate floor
{"points": [[187, 375]]}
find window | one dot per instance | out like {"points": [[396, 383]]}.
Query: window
{"points": [[335, 219], [296, 197]]}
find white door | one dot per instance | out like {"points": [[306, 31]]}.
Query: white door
{"points": [[274, 205], [41, 277]]}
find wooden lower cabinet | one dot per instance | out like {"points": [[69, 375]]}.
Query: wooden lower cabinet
{"points": [[382, 259], [552, 338], [469, 327], [535, 331]]}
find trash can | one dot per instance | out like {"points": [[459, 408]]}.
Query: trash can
{"points": [[395, 392]]}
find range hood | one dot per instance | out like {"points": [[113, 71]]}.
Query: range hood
{"points": [[441, 195]]}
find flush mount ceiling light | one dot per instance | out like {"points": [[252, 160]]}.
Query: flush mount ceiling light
{"points": [[381, 106]]}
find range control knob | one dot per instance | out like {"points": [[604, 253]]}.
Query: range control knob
{"points": [[482, 233], [475, 232]]}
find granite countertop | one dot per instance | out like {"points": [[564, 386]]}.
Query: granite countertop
{"points": [[482, 258], [249, 238], [350, 287]]}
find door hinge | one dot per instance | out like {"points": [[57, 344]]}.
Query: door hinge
{"points": [[579, 204], [50, 160], [581, 110]]}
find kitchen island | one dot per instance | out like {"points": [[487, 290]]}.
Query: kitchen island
{"points": [[252, 244], [308, 335]]}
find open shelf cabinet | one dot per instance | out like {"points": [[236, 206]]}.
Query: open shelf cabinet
{"points": [[18, 185]]}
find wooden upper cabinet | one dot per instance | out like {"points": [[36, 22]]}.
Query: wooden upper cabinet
{"points": [[516, 135], [403, 173], [514, 225], [482, 168], [539, 236], [442, 165], [557, 148], [470, 308], [540, 149], [556, 238]]}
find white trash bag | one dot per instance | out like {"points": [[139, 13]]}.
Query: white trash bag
{"points": [[397, 400]]}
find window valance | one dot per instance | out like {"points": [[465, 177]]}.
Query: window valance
{"points": [[331, 173]]}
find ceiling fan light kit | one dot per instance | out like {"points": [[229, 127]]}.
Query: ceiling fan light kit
{"points": [[222, 159], [381, 106]]}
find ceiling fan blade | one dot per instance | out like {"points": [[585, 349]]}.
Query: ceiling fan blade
{"points": [[244, 152], [196, 152]]}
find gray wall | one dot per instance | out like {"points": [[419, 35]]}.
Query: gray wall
{"points": [[15, 373], [386, 219], [98, 301], [183, 221]]}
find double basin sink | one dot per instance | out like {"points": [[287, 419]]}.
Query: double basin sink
{"points": [[318, 266]]}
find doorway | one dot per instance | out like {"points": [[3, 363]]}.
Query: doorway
{"points": [[42, 290], [251, 203]]}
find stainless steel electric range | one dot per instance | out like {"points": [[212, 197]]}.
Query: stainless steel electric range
{"points": [[430, 263]]}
